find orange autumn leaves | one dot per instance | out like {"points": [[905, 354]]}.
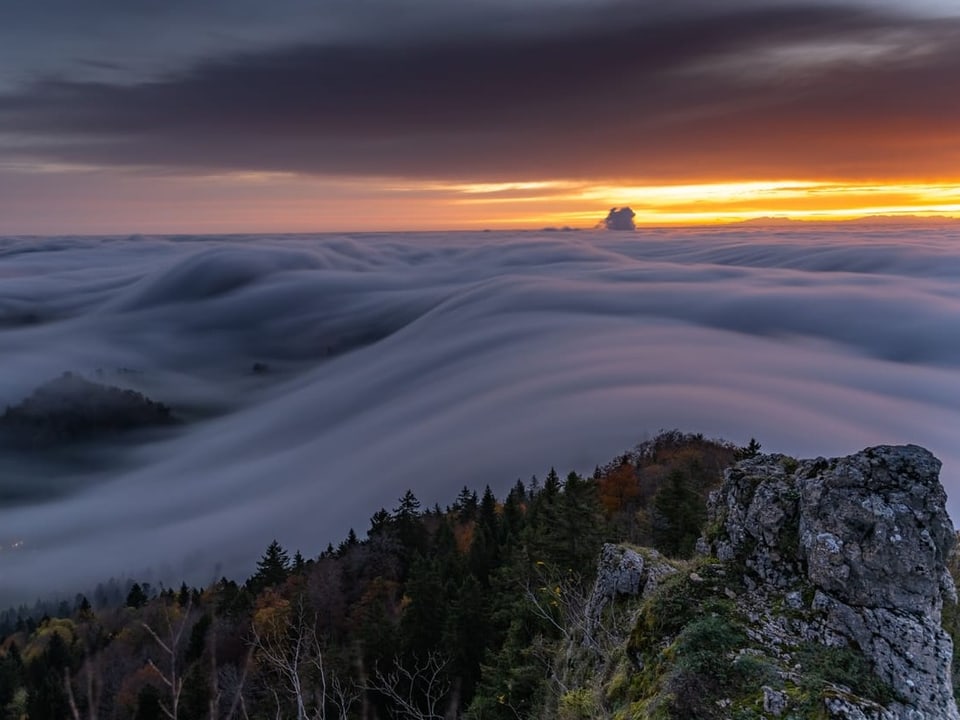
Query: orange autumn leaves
{"points": [[636, 488]]}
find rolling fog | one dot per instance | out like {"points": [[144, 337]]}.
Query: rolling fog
{"points": [[433, 361]]}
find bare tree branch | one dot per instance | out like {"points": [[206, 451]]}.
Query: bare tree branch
{"points": [[238, 695], [70, 699], [416, 691], [288, 644], [344, 695], [173, 678], [93, 696]]}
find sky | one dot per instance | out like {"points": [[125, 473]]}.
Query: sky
{"points": [[329, 115]]}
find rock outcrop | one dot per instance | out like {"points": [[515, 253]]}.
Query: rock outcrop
{"points": [[855, 550], [819, 593], [622, 572]]}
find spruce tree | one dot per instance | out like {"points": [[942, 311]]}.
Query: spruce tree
{"points": [[466, 505], [580, 529], [677, 515], [408, 509], [514, 513], [380, 522], [11, 674], [84, 609], [46, 693], [485, 549], [751, 450], [409, 526], [467, 634], [136, 598], [423, 619], [272, 569]]}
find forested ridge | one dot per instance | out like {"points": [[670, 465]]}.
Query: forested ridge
{"points": [[434, 613]]}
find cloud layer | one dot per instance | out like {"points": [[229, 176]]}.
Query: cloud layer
{"points": [[427, 362], [754, 90]]}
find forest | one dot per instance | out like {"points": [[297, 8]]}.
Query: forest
{"points": [[433, 613]]}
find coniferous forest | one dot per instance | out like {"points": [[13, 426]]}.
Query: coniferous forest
{"points": [[427, 613]]}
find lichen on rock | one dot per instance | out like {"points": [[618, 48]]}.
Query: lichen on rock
{"points": [[865, 539], [622, 571]]}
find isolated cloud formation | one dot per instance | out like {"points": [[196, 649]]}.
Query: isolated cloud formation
{"points": [[620, 219], [427, 362]]}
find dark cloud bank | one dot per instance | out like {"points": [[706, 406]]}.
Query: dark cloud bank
{"points": [[584, 90], [427, 362]]}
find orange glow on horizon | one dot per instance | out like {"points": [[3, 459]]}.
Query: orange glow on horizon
{"points": [[721, 202], [84, 200]]}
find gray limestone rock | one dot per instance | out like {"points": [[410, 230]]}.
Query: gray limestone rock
{"points": [[622, 571], [841, 708], [874, 530], [867, 536], [774, 701]]}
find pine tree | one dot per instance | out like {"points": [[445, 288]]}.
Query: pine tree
{"points": [[423, 619], [445, 551], [466, 505], [347, 543], [11, 674], [514, 510], [677, 515], [488, 509], [408, 509], [272, 569], [485, 549], [136, 598], [580, 529], [46, 694], [409, 526], [84, 609], [551, 486], [380, 522], [467, 634], [751, 450]]}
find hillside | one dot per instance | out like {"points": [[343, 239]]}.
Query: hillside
{"points": [[819, 593], [815, 590], [70, 409]]}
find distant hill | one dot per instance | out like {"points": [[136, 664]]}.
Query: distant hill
{"points": [[780, 221], [71, 409]]}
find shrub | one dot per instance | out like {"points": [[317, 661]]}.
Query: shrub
{"points": [[703, 671], [577, 704], [826, 665], [790, 465]]}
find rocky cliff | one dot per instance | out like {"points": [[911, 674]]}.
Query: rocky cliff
{"points": [[818, 593], [859, 545]]}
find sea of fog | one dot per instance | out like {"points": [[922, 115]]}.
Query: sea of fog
{"points": [[430, 361]]}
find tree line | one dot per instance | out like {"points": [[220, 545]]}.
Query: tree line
{"points": [[435, 613]]}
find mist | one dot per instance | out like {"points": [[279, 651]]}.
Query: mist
{"points": [[427, 362]]}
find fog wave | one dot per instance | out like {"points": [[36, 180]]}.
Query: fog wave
{"points": [[431, 361]]}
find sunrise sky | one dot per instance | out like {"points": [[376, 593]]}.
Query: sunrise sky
{"points": [[316, 115]]}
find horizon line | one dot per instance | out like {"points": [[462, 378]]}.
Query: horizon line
{"points": [[880, 219]]}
